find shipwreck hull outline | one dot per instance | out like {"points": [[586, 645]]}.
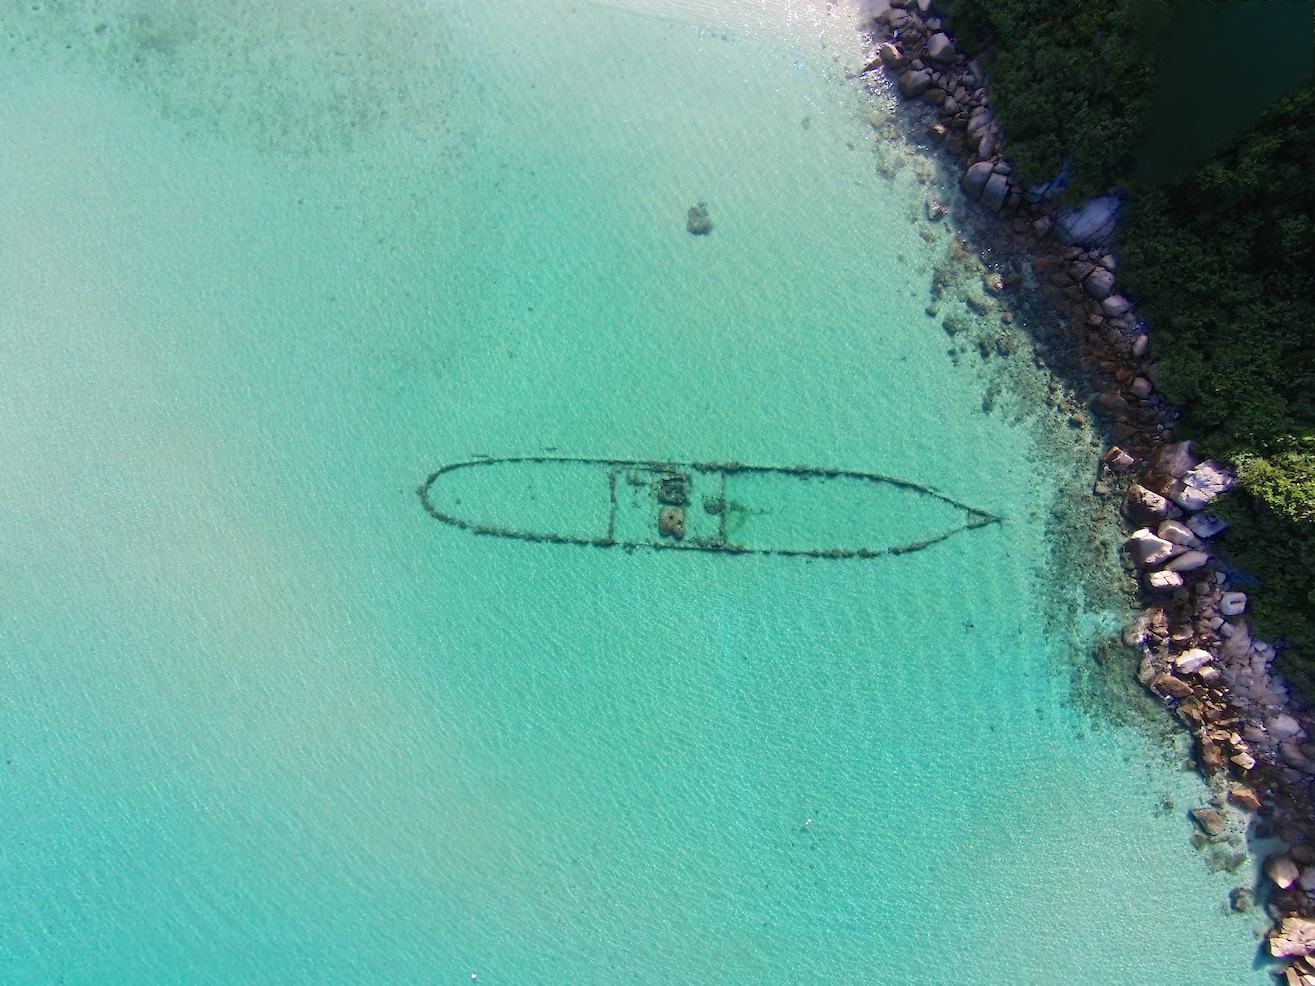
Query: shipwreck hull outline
{"points": [[977, 518]]}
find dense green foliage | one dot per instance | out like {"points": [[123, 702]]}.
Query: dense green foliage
{"points": [[1221, 262], [1220, 258], [1273, 518], [1069, 82]]}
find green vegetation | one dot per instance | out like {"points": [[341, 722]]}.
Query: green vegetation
{"points": [[1220, 260], [1218, 256], [1273, 518], [1096, 81]]}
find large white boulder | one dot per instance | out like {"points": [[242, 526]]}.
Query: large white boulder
{"points": [[1233, 603], [1188, 561], [1282, 870], [1192, 660], [1178, 533], [1148, 550], [1164, 581]]}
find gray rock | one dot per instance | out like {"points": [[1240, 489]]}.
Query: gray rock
{"points": [[940, 48], [1113, 403], [979, 120], [1192, 660], [915, 82], [891, 56], [1091, 225], [1282, 870], [1206, 525], [993, 195], [1283, 726], [1172, 530], [1188, 561], [1190, 498], [1143, 506], [1210, 477], [1099, 283], [1141, 388], [1164, 581], [1117, 459], [1233, 603], [1115, 306], [975, 178], [1174, 458]]}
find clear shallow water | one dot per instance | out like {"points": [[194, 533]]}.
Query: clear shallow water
{"points": [[263, 720]]}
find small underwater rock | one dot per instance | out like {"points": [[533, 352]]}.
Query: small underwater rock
{"points": [[698, 221], [671, 522], [1241, 899], [1210, 820], [673, 490]]}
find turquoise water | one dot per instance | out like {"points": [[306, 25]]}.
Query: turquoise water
{"points": [[263, 720]]}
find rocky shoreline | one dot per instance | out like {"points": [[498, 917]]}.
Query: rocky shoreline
{"points": [[1255, 739]]}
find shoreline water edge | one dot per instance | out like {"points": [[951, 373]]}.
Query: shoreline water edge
{"points": [[1254, 736]]}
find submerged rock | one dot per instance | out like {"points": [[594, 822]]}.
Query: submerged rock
{"points": [[698, 221], [1242, 899], [671, 522], [1211, 822], [1244, 797]]}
